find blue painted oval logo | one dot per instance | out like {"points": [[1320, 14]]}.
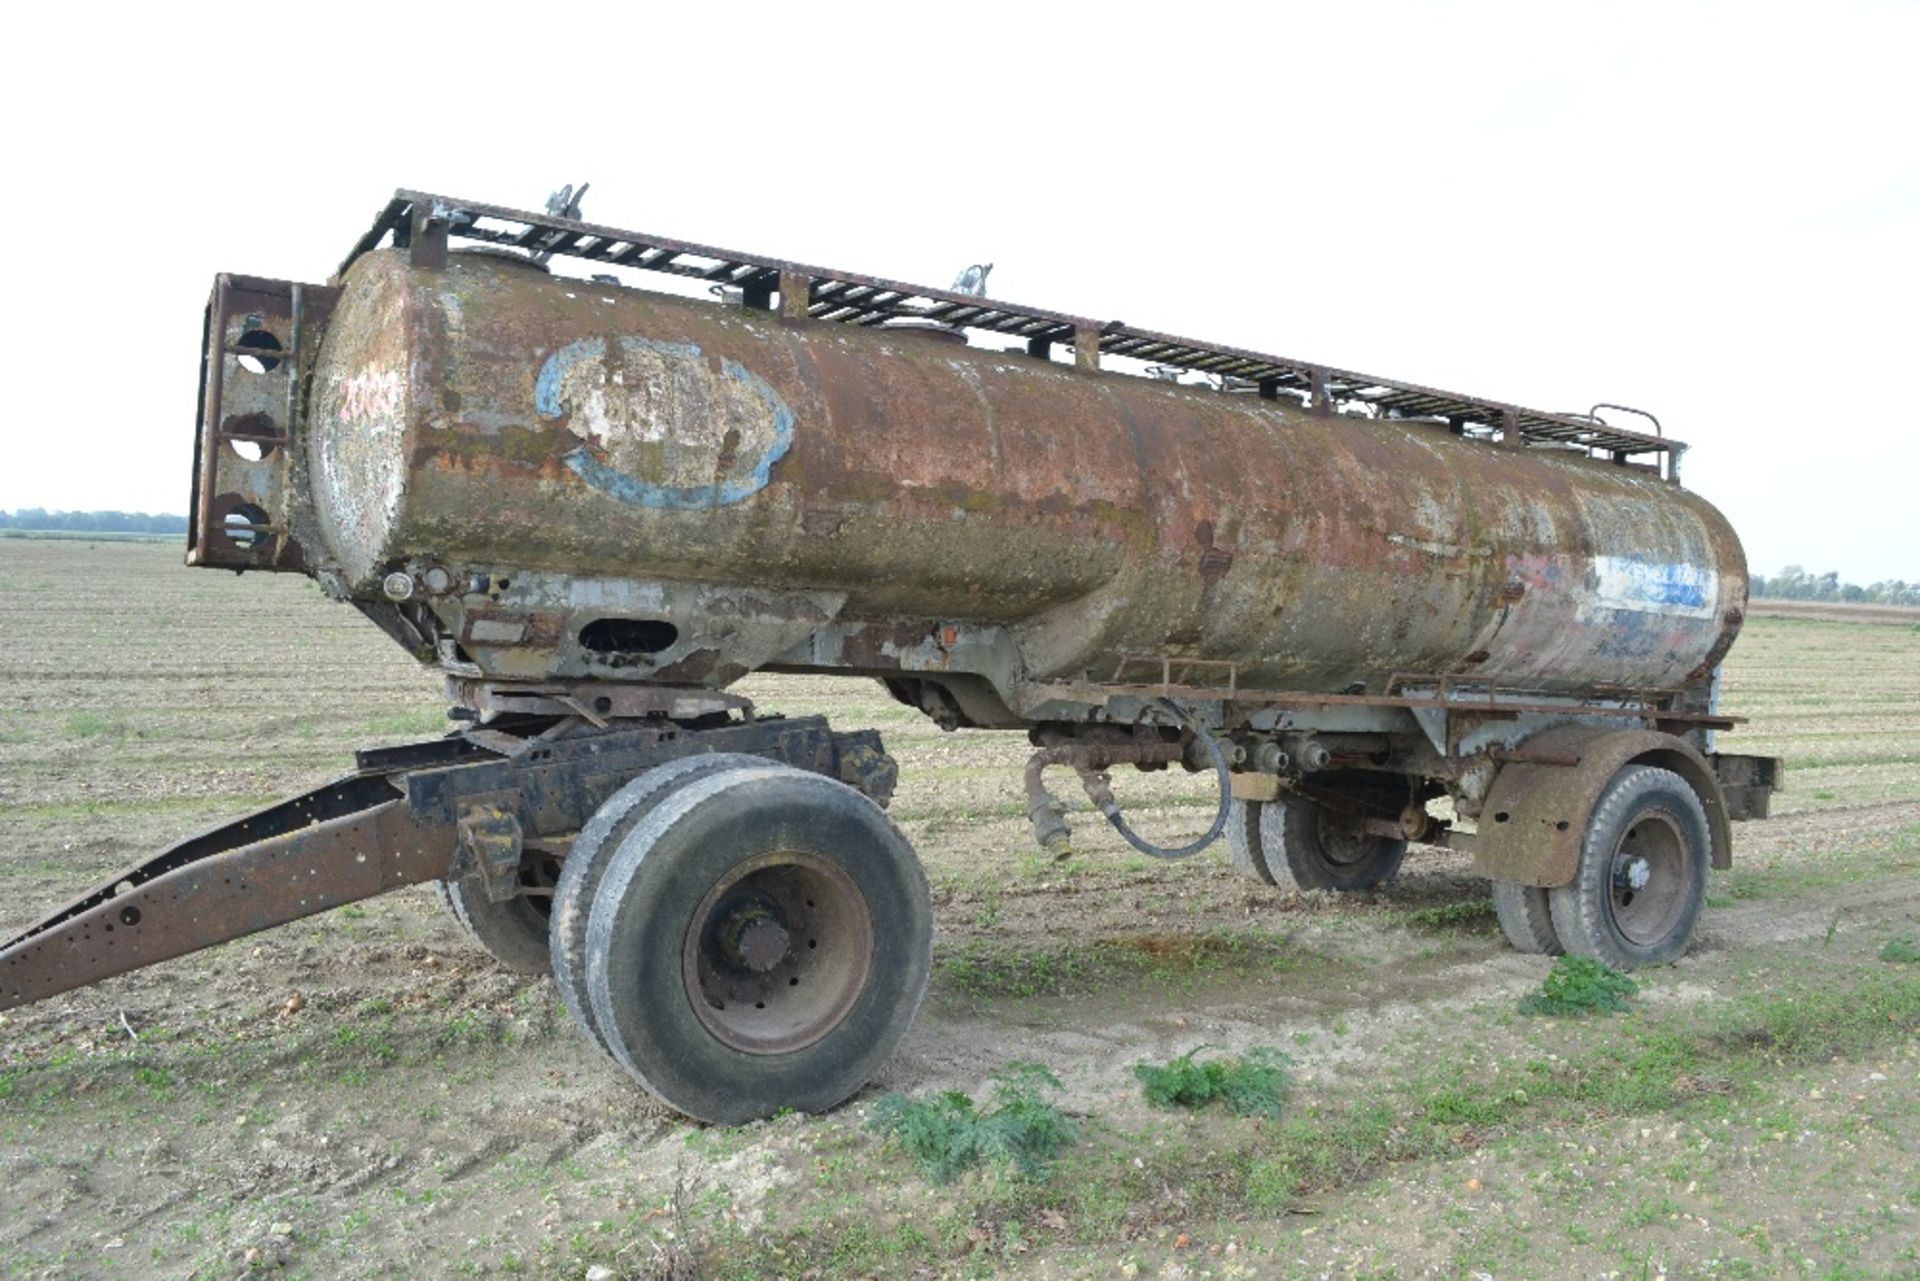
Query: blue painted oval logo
{"points": [[662, 425]]}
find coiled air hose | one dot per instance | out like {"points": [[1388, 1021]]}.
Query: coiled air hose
{"points": [[1111, 808], [1048, 815]]}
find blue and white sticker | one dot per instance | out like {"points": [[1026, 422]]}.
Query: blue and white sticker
{"points": [[663, 425], [1655, 587]]}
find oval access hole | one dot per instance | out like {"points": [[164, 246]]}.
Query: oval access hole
{"points": [[628, 635], [259, 340], [239, 529], [239, 526], [261, 431]]}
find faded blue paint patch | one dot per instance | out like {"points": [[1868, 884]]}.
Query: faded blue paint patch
{"points": [[1675, 585], [546, 385], [633, 490], [641, 493], [1628, 582], [1630, 633]]}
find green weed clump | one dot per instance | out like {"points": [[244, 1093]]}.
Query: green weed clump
{"points": [[1901, 951], [1470, 915], [1578, 986], [947, 1135], [93, 725], [1255, 1084]]}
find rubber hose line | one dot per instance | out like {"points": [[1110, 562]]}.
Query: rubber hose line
{"points": [[1220, 817]]}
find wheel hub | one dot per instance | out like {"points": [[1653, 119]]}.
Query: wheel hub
{"points": [[1341, 839], [752, 939], [1649, 878], [777, 953]]}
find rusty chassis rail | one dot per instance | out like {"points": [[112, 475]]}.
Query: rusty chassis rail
{"points": [[1077, 693], [397, 821]]}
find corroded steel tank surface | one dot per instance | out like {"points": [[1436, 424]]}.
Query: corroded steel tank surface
{"points": [[619, 452]]}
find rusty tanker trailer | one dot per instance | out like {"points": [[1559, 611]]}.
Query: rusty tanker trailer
{"points": [[595, 505]]}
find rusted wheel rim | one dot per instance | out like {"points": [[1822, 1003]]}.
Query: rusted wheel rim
{"points": [[1649, 881], [778, 952], [1341, 841]]}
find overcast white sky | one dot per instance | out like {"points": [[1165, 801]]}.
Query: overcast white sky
{"points": [[1712, 211]]}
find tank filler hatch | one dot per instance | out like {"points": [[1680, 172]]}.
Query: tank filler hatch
{"points": [[426, 225]]}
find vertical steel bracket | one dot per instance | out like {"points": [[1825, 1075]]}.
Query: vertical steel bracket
{"points": [[796, 295], [1086, 348], [261, 336], [427, 235]]}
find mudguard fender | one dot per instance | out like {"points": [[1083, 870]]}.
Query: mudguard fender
{"points": [[1536, 812]]}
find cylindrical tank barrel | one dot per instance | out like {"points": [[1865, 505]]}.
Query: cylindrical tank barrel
{"points": [[488, 414]]}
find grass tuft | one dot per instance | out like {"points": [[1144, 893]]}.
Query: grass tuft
{"points": [[947, 1135], [1901, 951], [1578, 986], [1255, 1084], [94, 725], [1469, 915]]}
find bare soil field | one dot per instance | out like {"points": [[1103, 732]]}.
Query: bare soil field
{"points": [[418, 1112], [1834, 611]]}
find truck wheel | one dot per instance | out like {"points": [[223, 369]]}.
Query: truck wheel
{"points": [[760, 940], [1244, 854], [1526, 918], [514, 933], [586, 863], [1637, 890], [1319, 849]]}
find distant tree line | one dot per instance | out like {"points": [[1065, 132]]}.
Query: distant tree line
{"points": [[1795, 583], [93, 522]]}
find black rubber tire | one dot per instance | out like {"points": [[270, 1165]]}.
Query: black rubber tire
{"points": [[644, 927], [1301, 834], [1526, 917], [587, 860], [1601, 913], [1244, 854], [514, 933]]}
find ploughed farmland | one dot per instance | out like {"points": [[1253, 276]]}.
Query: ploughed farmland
{"points": [[364, 1095]]}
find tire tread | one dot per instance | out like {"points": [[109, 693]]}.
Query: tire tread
{"points": [[586, 864], [1288, 838], [513, 932], [817, 1076], [1244, 854], [1581, 908], [1526, 918]]}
